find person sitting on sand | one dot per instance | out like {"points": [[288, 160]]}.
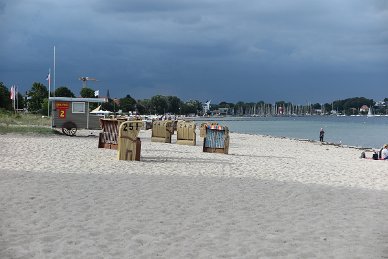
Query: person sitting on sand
{"points": [[384, 152]]}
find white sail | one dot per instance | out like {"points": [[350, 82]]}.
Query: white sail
{"points": [[370, 113]]}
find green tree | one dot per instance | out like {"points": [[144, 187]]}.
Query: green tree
{"points": [[338, 105], [127, 103], [191, 107], [225, 105], [20, 101], [5, 101], [174, 104], [159, 104], [144, 106], [37, 94], [140, 108], [317, 106], [327, 107], [353, 105], [87, 92], [63, 91], [44, 107], [110, 105], [214, 107]]}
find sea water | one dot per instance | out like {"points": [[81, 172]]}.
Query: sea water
{"points": [[359, 131]]}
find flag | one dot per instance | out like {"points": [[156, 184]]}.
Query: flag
{"points": [[48, 77], [12, 93], [97, 93]]}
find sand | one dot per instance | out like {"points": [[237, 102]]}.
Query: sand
{"points": [[62, 197]]}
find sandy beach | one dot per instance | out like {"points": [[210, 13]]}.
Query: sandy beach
{"points": [[62, 197]]}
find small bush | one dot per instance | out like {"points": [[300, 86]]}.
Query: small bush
{"points": [[27, 119]]}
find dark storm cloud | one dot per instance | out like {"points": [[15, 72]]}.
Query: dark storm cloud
{"points": [[267, 50], [2, 7], [141, 6]]}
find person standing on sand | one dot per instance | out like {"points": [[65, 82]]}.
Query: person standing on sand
{"points": [[321, 134]]}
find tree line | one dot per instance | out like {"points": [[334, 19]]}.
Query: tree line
{"points": [[35, 100]]}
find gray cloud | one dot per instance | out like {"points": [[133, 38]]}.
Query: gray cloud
{"points": [[2, 7], [264, 49]]}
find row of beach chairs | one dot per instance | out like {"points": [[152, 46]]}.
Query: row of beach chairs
{"points": [[123, 136]]}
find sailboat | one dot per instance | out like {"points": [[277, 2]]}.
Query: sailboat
{"points": [[370, 113]]}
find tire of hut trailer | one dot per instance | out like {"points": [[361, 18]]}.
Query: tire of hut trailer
{"points": [[69, 128]]}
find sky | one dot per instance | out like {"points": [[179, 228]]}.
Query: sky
{"points": [[301, 51]]}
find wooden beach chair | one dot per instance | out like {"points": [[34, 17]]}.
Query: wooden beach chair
{"points": [[129, 145], [186, 133], [162, 131], [108, 137], [216, 139]]}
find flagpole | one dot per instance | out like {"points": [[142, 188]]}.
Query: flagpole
{"points": [[48, 101], [13, 97], [14, 91], [17, 99], [54, 70]]}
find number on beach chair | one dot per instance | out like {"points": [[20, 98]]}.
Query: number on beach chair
{"points": [[186, 133], [129, 145]]}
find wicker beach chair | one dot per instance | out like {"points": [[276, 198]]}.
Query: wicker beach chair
{"points": [[162, 131], [216, 139], [186, 133]]}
